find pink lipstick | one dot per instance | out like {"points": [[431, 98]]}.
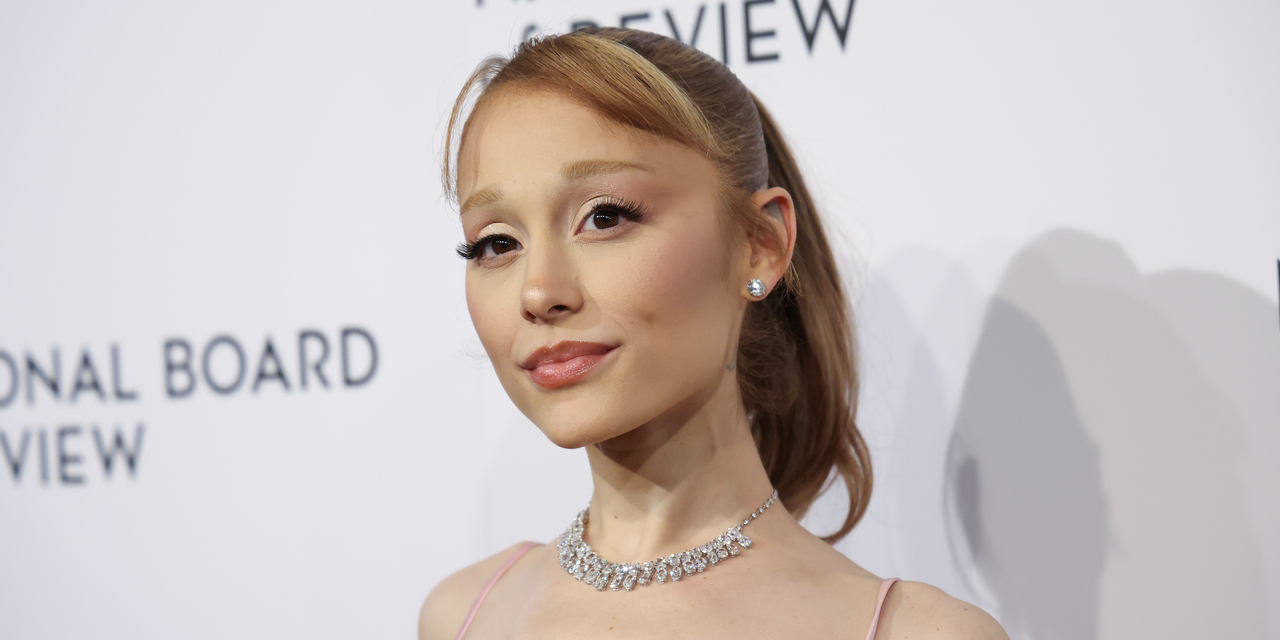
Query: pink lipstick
{"points": [[564, 363]]}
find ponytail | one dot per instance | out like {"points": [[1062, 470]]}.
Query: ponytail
{"points": [[797, 362]]}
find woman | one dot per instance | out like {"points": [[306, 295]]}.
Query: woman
{"points": [[651, 282]]}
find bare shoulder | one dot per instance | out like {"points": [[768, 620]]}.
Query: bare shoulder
{"points": [[920, 611], [447, 605]]}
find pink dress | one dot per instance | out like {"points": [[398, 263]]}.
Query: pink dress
{"points": [[525, 547]]}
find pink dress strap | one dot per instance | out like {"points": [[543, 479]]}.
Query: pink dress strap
{"points": [[875, 620], [484, 593]]}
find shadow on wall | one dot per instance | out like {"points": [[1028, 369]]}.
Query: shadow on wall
{"points": [[918, 318], [1027, 483], [1108, 464]]}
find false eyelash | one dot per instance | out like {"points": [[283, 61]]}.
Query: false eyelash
{"points": [[629, 209], [468, 250]]}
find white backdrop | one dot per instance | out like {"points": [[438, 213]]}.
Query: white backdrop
{"points": [[1061, 221]]}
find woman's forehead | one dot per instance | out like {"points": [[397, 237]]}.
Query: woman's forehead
{"points": [[523, 128], [525, 136]]}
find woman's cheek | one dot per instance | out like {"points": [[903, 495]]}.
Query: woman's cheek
{"points": [[668, 293], [686, 269], [486, 307]]}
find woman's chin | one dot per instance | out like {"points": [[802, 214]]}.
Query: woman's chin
{"points": [[575, 435]]}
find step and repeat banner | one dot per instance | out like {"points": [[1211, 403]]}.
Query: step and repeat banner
{"points": [[240, 395]]}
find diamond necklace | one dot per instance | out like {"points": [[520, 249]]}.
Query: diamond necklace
{"points": [[577, 557]]}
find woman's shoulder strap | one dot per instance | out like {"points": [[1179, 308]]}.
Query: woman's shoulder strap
{"points": [[875, 620], [484, 593]]}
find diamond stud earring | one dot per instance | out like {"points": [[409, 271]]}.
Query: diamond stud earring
{"points": [[755, 287]]}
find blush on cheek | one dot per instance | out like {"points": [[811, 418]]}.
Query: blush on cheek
{"points": [[677, 297], [684, 275], [689, 267]]}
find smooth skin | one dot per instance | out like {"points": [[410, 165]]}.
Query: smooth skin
{"points": [[673, 463]]}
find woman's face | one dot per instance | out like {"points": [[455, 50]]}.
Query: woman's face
{"points": [[604, 284]]}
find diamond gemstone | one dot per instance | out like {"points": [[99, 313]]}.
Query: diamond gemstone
{"points": [[578, 559]]}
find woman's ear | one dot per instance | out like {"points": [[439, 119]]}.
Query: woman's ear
{"points": [[771, 252]]}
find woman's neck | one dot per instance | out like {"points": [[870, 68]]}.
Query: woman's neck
{"points": [[677, 481]]}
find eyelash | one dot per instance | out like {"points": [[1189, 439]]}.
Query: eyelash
{"points": [[628, 209]]}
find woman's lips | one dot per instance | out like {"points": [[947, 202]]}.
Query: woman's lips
{"points": [[564, 363]]}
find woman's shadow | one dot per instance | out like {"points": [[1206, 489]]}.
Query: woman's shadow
{"points": [[1095, 466]]}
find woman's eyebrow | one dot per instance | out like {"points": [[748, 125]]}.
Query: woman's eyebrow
{"points": [[587, 168], [479, 199], [572, 171]]}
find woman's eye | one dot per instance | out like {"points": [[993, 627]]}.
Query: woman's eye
{"points": [[488, 247], [602, 219], [498, 245], [610, 213]]}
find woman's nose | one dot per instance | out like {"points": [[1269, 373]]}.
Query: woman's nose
{"points": [[551, 289]]}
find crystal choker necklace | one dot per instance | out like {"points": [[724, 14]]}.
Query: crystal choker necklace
{"points": [[577, 557]]}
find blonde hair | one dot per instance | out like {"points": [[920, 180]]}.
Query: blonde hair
{"points": [[796, 357]]}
